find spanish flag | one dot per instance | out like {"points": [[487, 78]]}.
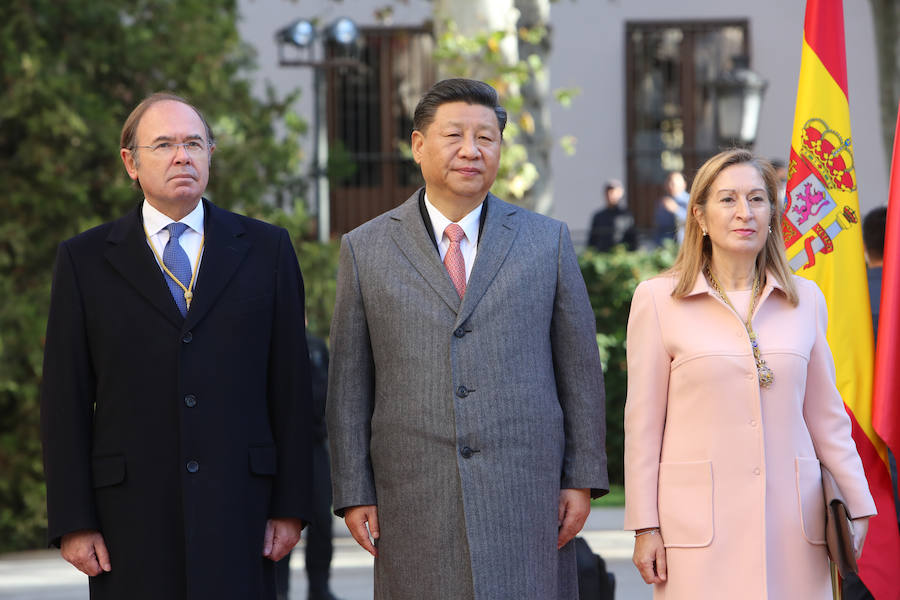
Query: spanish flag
{"points": [[823, 238]]}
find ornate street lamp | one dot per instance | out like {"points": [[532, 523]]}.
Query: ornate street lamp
{"points": [[739, 95], [299, 39]]}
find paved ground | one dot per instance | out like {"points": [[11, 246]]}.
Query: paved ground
{"points": [[43, 575]]}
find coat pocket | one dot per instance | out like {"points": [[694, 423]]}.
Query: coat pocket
{"points": [[811, 499], [263, 460], [686, 504], [108, 470]]}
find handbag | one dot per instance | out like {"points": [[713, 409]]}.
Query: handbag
{"points": [[838, 528]]}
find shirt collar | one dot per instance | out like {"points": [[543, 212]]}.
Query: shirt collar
{"points": [[701, 285], [469, 223], [155, 221]]}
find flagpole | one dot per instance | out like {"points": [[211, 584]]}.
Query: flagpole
{"points": [[836, 591]]}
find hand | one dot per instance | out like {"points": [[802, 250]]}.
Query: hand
{"points": [[574, 508], [356, 518], [87, 551], [281, 536], [650, 557], [860, 529]]}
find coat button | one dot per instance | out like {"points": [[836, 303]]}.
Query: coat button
{"points": [[462, 392], [187, 337], [190, 401], [752, 422], [466, 452], [193, 466], [460, 332], [756, 471]]}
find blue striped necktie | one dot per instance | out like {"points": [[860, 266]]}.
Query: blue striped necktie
{"points": [[177, 261]]}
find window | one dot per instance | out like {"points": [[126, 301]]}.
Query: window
{"points": [[670, 126], [370, 110]]}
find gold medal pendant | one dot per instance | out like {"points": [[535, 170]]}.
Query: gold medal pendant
{"points": [[766, 375]]}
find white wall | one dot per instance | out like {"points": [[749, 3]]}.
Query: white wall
{"points": [[589, 52]]}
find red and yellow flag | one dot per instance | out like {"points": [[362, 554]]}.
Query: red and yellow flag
{"points": [[823, 238]]}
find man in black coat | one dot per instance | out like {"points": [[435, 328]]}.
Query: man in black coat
{"points": [[176, 418], [613, 224]]}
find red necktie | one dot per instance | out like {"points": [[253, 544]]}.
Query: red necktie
{"points": [[453, 260]]}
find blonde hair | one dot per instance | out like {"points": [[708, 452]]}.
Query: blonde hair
{"points": [[696, 250]]}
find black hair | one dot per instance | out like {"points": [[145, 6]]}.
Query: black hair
{"points": [[873, 232], [470, 91]]}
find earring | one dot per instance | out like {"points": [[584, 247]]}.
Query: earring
{"points": [[705, 233], [770, 229]]}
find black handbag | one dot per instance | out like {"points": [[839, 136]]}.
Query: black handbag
{"points": [[838, 528]]}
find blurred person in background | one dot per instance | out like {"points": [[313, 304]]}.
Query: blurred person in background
{"points": [[671, 211], [613, 224]]}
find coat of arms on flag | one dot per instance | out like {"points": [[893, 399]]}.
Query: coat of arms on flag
{"points": [[824, 165]]}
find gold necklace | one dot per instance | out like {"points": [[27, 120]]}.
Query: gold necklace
{"points": [[188, 294], [766, 375]]}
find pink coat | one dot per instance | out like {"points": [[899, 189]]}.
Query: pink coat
{"points": [[729, 470]]}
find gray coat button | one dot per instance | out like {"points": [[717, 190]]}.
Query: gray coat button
{"points": [[460, 332], [187, 337], [193, 466], [190, 401], [466, 452], [462, 391]]}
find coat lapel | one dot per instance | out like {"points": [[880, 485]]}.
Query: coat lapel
{"points": [[413, 240], [223, 250], [130, 255], [496, 239]]}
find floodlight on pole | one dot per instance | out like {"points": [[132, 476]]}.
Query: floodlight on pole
{"points": [[300, 33]]}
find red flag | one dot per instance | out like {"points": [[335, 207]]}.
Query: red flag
{"points": [[886, 398]]}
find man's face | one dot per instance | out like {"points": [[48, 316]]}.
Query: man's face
{"points": [[613, 195], [172, 178], [675, 184], [459, 153]]}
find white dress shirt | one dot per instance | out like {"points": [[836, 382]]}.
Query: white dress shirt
{"points": [[470, 225], [155, 223]]}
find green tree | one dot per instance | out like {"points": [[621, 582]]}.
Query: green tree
{"points": [[71, 72]]}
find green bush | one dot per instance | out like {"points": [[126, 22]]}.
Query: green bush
{"points": [[611, 279]]}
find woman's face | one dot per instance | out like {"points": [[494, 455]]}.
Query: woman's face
{"points": [[737, 212]]}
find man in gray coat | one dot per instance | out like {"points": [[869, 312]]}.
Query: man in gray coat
{"points": [[465, 398]]}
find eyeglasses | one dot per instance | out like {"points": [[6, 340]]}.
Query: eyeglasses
{"points": [[194, 148]]}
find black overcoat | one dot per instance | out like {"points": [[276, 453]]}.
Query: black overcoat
{"points": [[177, 437]]}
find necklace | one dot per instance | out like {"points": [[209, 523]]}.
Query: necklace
{"points": [[188, 294], [766, 376]]}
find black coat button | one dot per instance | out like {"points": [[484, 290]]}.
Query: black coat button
{"points": [[462, 392], [460, 332], [187, 337], [193, 466], [190, 401], [466, 452]]}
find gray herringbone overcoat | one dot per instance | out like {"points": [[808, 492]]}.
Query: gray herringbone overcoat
{"points": [[462, 419]]}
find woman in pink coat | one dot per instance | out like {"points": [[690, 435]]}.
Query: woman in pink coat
{"points": [[727, 418]]}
